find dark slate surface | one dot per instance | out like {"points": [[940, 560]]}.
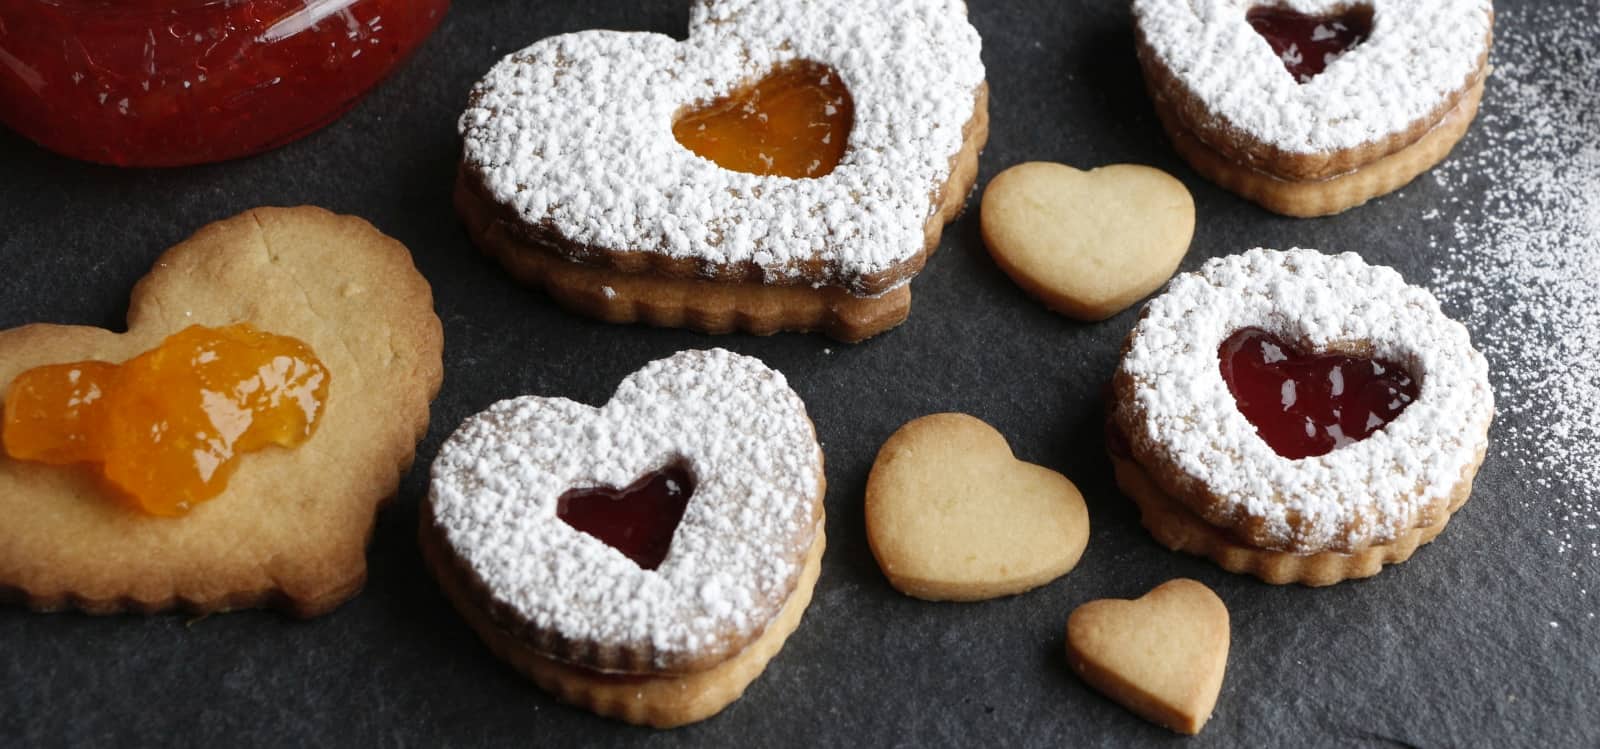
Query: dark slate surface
{"points": [[1475, 641]]}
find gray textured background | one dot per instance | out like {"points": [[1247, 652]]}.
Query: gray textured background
{"points": [[1484, 638]]}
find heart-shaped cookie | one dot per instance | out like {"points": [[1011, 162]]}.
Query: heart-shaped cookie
{"points": [[572, 592], [952, 515], [292, 525], [1088, 244], [1162, 656], [571, 159]]}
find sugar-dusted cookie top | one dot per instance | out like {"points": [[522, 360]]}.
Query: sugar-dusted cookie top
{"points": [[1186, 427], [292, 525], [1420, 56], [575, 134], [502, 488]]}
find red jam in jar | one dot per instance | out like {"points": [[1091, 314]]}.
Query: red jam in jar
{"points": [[177, 82]]}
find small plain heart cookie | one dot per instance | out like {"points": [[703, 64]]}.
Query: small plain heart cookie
{"points": [[291, 528], [619, 171], [644, 559], [1311, 107], [1087, 244], [952, 515], [1162, 656]]}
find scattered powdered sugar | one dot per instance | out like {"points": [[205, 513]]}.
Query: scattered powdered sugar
{"points": [[576, 131], [1519, 253], [1419, 54], [745, 436], [1183, 415]]}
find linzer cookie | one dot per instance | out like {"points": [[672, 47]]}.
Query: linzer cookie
{"points": [[231, 449], [1311, 107], [1298, 416], [788, 167], [645, 559]]}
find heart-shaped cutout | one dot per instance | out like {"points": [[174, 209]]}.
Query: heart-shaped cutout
{"points": [[291, 527], [795, 122], [1305, 405], [638, 521], [1162, 656], [1308, 44], [1087, 244], [570, 582], [952, 515]]}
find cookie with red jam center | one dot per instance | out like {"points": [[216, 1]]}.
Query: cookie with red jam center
{"points": [[1312, 107], [1301, 416], [644, 559]]}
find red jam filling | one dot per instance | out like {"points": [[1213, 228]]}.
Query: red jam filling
{"points": [[1308, 44], [638, 521], [793, 123], [174, 82], [1305, 405]]}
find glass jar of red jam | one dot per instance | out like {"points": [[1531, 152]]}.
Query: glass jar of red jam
{"points": [[175, 82]]}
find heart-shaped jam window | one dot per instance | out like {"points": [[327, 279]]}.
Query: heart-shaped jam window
{"points": [[638, 521], [1305, 405], [794, 123], [1307, 45]]}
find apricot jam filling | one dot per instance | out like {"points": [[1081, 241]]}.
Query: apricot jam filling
{"points": [[794, 123], [165, 430]]}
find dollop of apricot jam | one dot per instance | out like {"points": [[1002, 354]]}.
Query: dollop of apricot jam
{"points": [[166, 429], [794, 123]]}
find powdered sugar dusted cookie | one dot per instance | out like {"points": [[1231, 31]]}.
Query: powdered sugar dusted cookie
{"points": [[1304, 403], [658, 535], [789, 166], [1310, 107]]}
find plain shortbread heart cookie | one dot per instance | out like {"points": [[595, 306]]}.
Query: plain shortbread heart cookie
{"points": [[291, 528], [1161, 656], [952, 515], [1087, 244]]}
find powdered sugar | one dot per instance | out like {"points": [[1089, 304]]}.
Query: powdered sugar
{"points": [[1518, 247], [1184, 415], [734, 560], [576, 130], [1420, 52]]}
